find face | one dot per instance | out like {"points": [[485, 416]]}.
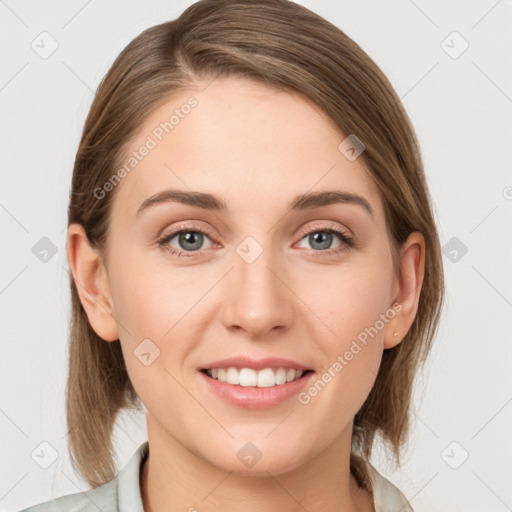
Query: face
{"points": [[268, 281]]}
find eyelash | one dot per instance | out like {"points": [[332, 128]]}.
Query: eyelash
{"points": [[347, 241]]}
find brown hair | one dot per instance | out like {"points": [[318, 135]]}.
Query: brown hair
{"points": [[286, 46]]}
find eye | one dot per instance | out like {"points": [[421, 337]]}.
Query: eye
{"points": [[191, 240], [321, 239], [187, 240]]}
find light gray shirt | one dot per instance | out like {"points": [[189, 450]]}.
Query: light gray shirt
{"points": [[122, 493]]}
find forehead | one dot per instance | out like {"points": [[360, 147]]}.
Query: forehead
{"points": [[243, 141]]}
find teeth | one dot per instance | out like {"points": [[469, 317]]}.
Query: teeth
{"points": [[247, 377], [265, 378], [232, 376]]}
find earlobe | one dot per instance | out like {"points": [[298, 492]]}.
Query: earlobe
{"points": [[91, 281], [410, 281]]}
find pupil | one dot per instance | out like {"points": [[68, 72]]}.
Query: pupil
{"points": [[321, 237], [188, 238]]}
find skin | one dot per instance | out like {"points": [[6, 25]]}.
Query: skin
{"points": [[256, 148]]}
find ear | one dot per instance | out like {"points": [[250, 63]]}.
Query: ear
{"points": [[91, 280], [409, 283]]}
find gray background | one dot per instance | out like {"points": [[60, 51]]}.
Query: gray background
{"points": [[460, 105]]}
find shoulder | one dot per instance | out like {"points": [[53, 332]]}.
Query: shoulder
{"points": [[102, 498], [122, 493]]}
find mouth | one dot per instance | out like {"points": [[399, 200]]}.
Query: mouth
{"points": [[249, 377]]}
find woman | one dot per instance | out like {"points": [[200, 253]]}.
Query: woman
{"points": [[254, 263]]}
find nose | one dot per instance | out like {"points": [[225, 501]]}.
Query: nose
{"points": [[257, 298]]}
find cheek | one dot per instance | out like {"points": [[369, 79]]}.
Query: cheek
{"points": [[162, 314], [349, 303], [155, 305], [347, 299], [352, 346], [151, 300]]}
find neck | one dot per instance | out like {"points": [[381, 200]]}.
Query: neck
{"points": [[174, 478]]}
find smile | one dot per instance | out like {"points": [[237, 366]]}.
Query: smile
{"points": [[264, 378]]}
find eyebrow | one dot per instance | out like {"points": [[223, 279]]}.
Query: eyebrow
{"points": [[213, 203]]}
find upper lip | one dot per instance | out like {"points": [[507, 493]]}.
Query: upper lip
{"points": [[257, 364]]}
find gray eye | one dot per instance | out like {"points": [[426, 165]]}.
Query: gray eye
{"points": [[189, 240], [320, 240]]}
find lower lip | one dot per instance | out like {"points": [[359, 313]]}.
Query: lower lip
{"points": [[253, 397]]}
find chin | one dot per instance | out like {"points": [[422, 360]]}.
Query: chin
{"points": [[258, 459]]}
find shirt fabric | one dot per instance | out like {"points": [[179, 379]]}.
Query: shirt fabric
{"points": [[122, 493]]}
